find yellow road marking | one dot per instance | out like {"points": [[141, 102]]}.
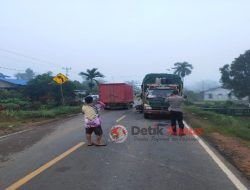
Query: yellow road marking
{"points": [[28, 177], [121, 118]]}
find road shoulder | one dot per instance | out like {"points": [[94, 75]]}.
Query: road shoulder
{"points": [[32, 124], [230, 150]]}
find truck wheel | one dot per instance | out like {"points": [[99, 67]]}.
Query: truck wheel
{"points": [[146, 116], [141, 110], [127, 107]]}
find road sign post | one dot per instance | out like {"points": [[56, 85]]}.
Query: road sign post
{"points": [[62, 94], [60, 79]]}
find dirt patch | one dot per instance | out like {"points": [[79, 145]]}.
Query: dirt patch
{"points": [[230, 147], [238, 153]]}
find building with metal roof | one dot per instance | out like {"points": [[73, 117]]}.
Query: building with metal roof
{"points": [[6, 83]]}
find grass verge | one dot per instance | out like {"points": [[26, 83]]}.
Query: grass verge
{"points": [[12, 121], [230, 135], [210, 122]]}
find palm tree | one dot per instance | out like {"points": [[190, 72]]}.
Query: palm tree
{"points": [[90, 75], [183, 69]]}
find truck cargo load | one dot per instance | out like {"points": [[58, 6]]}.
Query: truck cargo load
{"points": [[155, 88], [116, 95], [165, 79]]}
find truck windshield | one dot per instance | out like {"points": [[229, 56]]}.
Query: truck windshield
{"points": [[158, 93]]}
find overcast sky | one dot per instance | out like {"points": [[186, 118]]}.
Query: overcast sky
{"points": [[123, 39]]}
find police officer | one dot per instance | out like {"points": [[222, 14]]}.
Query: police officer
{"points": [[176, 113]]}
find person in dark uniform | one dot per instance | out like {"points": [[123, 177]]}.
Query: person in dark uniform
{"points": [[176, 113]]}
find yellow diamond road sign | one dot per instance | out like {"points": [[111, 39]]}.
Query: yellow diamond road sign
{"points": [[60, 78]]}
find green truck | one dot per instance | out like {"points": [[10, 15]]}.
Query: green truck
{"points": [[155, 88]]}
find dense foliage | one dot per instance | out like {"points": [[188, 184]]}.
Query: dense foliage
{"points": [[236, 76], [40, 93], [183, 69], [90, 75], [42, 88], [27, 75]]}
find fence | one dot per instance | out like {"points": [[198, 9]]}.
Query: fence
{"points": [[230, 111]]}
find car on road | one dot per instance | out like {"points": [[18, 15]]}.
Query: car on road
{"points": [[95, 98]]}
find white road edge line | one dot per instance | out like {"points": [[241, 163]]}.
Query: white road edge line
{"points": [[222, 166], [18, 132], [12, 134], [121, 118]]}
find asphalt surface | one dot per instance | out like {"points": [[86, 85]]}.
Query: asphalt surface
{"points": [[141, 162]]}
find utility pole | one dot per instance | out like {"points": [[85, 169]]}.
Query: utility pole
{"points": [[169, 69], [67, 69], [203, 89]]}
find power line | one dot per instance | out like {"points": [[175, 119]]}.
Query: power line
{"points": [[27, 56], [34, 59], [12, 69]]}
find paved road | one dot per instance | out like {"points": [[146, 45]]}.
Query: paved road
{"points": [[138, 163]]}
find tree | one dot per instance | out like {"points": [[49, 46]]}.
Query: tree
{"points": [[3, 76], [236, 76], [40, 87], [43, 88], [202, 85], [135, 85], [91, 75], [183, 69], [28, 75], [78, 85], [192, 96]]}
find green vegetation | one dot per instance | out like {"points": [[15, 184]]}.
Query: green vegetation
{"points": [[211, 122], [192, 96], [12, 121], [27, 75], [38, 101], [43, 89], [222, 107], [42, 113], [183, 69], [236, 76], [136, 86], [91, 75], [40, 93], [5, 94], [219, 104]]}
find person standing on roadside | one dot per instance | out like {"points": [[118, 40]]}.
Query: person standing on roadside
{"points": [[92, 121], [175, 101]]}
